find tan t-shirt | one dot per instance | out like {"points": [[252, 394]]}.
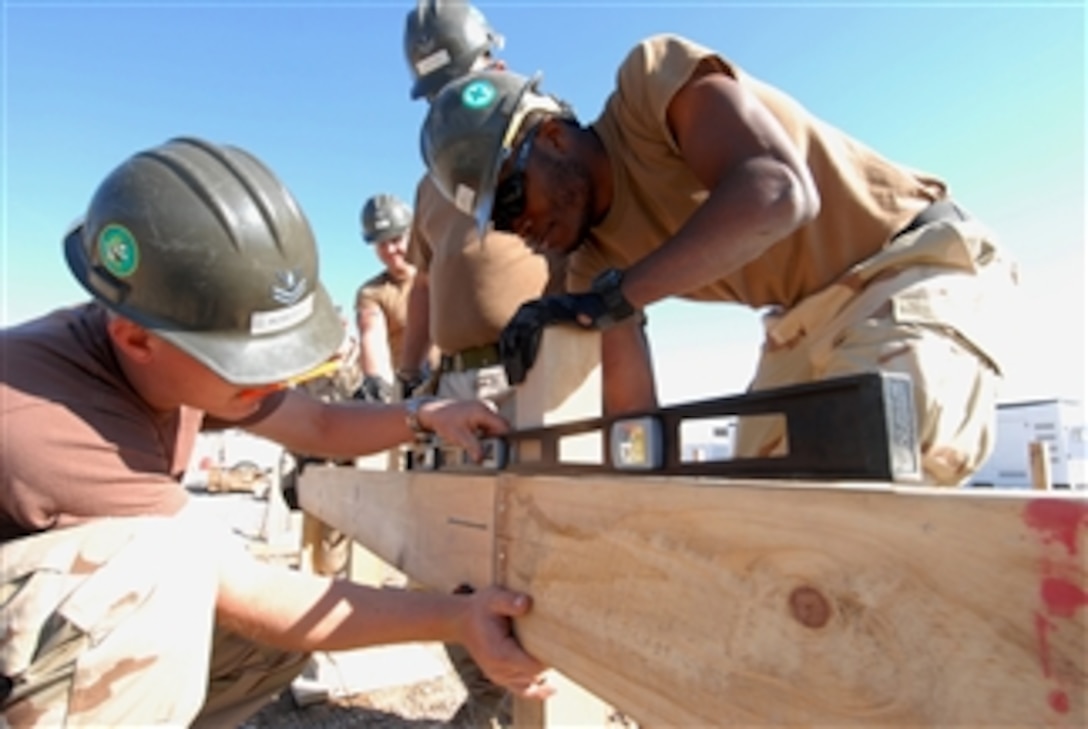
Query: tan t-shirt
{"points": [[865, 198], [391, 296], [476, 286], [78, 442]]}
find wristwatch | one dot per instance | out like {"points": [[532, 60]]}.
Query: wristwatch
{"points": [[608, 284], [411, 415]]}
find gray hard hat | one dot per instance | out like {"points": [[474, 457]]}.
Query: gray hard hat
{"points": [[204, 246], [442, 40], [470, 130], [384, 217]]}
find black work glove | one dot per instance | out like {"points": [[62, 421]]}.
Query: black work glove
{"points": [[407, 383], [520, 339], [374, 389], [599, 308]]}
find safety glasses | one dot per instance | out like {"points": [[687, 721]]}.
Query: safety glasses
{"points": [[510, 192], [325, 369], [249, 394]]}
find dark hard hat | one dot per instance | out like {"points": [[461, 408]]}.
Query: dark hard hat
{"points": [[469, 132], [385, 217], [442, 40], [204, 246]]}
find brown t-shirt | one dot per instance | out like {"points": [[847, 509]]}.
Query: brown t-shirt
{"points": [[77, 441], [391, 296], [865, 198], [476, 284]]}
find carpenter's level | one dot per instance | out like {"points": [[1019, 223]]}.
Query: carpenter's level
{"points": [[857, 427]]}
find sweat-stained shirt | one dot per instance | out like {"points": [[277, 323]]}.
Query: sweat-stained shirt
{"points": [[476, 284], [865, 198], [76, 441], [391, 296]]}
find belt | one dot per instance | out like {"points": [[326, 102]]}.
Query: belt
{"points": [[934, 212], [472, 358]]}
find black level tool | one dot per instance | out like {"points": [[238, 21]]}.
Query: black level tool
{"points": [[860, 427]]}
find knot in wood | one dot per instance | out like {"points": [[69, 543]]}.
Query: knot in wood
{"points": [[809, 607]]}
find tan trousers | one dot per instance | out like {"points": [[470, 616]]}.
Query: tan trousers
{"points": [[930, 306], [488, 383], [111, 624]]}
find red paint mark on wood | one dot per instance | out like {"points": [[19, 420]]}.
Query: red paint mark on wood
{"points": [[1061, 597], [1058, 520], [1059, 701], [1042, 627]]}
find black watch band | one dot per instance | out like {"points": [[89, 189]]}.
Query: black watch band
{"points": [[609, 284]]}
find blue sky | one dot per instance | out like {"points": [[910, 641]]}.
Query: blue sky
{"points": [[989, 96]]}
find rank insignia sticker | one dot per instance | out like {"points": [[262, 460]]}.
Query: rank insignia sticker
{"points": [[288, 287], [479, 94], [117, 250]]}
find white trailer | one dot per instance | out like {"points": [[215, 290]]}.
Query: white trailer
{"points": [[1057, 423]]}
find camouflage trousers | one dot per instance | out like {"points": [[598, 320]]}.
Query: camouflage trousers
{"points": [[111, 623], [932, 305]]}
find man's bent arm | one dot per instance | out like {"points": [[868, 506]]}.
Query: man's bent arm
{"points": [[761, 189], [374, 355]]}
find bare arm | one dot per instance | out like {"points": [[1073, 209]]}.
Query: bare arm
{"points": [[304, 612], [417, 332], [304, 424], [374, 355], [760, 189], [626, 369]]}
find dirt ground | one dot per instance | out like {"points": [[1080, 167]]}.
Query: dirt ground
{"points": [[423, 705]]}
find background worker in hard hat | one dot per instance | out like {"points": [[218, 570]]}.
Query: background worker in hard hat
{"points": [[381, 303], [467, 286], [123, 603], [698, 180]]}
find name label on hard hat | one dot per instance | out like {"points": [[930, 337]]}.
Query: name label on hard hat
{"points": [[267, 322], [433, 62]]}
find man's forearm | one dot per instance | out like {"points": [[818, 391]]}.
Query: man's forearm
{"points": [[302, 612], [334, 430], [745, 215], [627, 369]]}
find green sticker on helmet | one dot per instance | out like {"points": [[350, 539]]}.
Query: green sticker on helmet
{"points": [[479, 94], [118, 251]]}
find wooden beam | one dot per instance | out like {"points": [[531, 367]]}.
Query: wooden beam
{"points": [[715, 603], [710, 602], [425, 530], [438, 529]]}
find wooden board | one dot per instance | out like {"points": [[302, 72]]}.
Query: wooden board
{"points": [[707, 603], [436, 528], [565, 382], [697, 602]]}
